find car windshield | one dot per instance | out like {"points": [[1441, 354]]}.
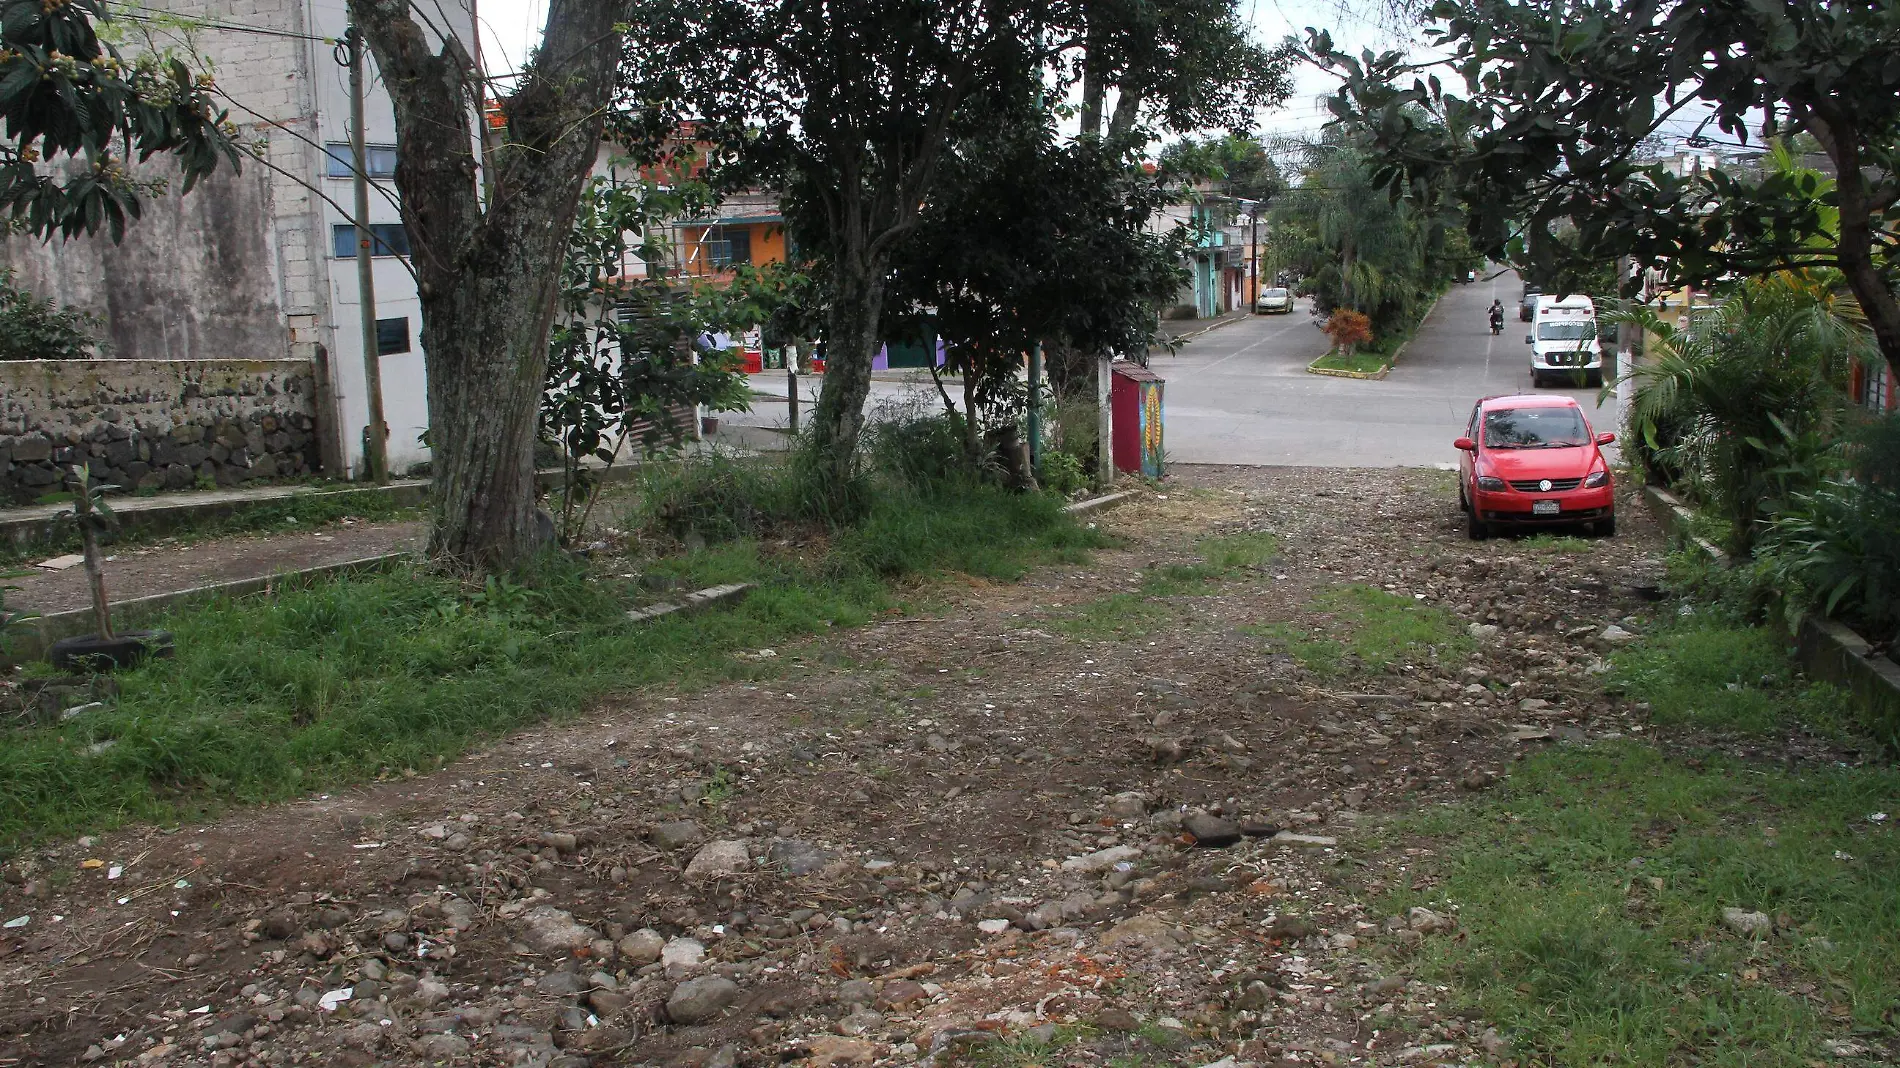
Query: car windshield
{"points": [[1273, 294], [1582, 330], [1534, 428]]}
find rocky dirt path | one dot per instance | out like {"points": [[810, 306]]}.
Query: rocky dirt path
{"points": [[1109, 815]]}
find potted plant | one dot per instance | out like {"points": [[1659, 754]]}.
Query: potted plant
{"points": [[105, 649]]}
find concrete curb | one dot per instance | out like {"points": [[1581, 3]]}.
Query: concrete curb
{"points": [[1363, 376], [696, 601], [157, 515], [34, 639], [1096, 504], [1218, 322], [1824, 648]]}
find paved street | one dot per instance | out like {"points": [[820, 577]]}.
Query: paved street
{"points": [[1241, 394]]}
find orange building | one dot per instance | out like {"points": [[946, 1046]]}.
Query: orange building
{"points": [[747, 229]]}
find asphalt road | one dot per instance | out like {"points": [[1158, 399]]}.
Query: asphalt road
{"points": [[1241, 394]]}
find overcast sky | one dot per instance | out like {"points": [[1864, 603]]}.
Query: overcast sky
{"points": [[509, 27]]}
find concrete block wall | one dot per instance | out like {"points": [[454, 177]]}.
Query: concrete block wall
{"points": [[154, 424]]}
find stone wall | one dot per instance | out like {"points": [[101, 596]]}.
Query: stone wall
{"points": [[154, 424]]}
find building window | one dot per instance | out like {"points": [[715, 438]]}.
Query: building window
{"points": [[392, 336], [727, 245], [381, 160], [391, 240]]}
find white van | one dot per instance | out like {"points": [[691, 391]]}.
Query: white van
{"points": [[1563, 341]]}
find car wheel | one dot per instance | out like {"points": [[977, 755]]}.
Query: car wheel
{"points": [[1476, 529], [1593, 379], [1606, 527], [1537, 380]]}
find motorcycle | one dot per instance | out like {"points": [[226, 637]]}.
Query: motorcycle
{"points": [[1497, 323]]}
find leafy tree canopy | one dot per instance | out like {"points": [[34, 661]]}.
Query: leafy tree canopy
{"points": [[1555, 102], [75, 114]]}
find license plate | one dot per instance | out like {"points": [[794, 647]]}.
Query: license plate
{"points": [[1544, 507]]}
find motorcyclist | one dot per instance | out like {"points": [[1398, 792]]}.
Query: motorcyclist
{"points": [[1497, 317]]}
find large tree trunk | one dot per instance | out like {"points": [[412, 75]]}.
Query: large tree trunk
{"points": [[488, 279], [851, 345], [1854, 248]]}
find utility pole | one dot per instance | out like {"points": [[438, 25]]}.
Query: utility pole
{"points": [[376, 434], [1253, 248]]}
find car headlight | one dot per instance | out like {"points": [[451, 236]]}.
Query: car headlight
{"points": [[1490, 482], [1596, 478]]}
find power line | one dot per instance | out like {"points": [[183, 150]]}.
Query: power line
{"points": [[187, 23]]}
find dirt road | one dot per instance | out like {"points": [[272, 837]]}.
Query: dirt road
{"points": [[972, 835]]}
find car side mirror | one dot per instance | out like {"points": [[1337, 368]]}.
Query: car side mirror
{"points": [[1465, 445], [1529, 340], [1605, 438]]}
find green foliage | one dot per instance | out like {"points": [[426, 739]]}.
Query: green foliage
{"points": [[1724, 675], [68, 99], [330, 682], [1549, 131], [1354, 248], [620, 361], [1365, 629], [1028, 240], [34, 329], [1063, 474], [1589, 900], [1743, 409], [1238, 166], [1840, 544]]}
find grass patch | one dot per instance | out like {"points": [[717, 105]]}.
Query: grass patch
{"points": [[342, 680], [1590, 904], [1723, 676], [1360, 362], [1557, 543], [1130, 615], [1366, 629], [1117, 617]]}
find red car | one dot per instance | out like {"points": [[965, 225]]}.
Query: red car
{"points": [[1533, 460]]}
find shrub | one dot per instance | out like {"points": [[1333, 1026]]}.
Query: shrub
{"points": [[1840, 544], [34, 329]]}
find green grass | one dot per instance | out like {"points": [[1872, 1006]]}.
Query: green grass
{"points": [[1365, 629], [1722, 676], [1126, 615], [1360, 362], [343, 680], [1118, 617], [1557, 543], [1590, 902]]}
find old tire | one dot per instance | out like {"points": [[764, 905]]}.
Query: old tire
{"points": [[90, 653]]}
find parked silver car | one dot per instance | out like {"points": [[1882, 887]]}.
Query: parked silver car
{"points": [[1274, 302]]}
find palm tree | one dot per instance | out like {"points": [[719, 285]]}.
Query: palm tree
{"points": [[1743, 407]]}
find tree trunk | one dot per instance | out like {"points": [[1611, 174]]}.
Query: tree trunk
{"points": [[851, 344], [1094, 85], [1855, 246], [488, 280], [1127, 112]]}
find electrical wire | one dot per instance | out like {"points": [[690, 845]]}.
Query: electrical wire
{"points": [[185, 22]]}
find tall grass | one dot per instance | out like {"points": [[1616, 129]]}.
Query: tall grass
{"points": [[338, 681]]}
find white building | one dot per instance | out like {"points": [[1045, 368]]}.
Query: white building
{"points": [[262, 263]]}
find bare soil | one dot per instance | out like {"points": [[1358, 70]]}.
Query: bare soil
{"points": [[166, 566], [925, 810]]}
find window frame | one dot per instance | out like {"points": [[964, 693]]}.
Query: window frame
{"points": [[339, 160], [343, 240]]}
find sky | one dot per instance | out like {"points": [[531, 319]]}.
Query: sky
{"points": [[509, 27]]}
